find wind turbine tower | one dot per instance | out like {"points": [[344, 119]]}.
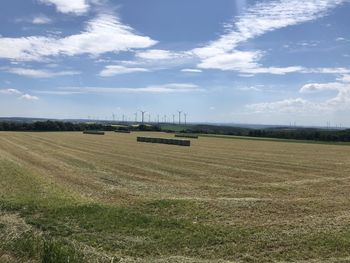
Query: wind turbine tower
{"points": [[185, 114], [179, 116], [143, 115]]}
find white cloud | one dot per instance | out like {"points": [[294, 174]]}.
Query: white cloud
{"points": [[37, 19], [299, 105], [252, 88], [36, 73], [244, 62], [312, 87], [10, 91], [18, 93], [77, 7], [29, 97], [102, 34], [340, 102], [309, 43], [344, 78], [327, 70], [155, 89], [41, 19], [191, 70], [340, 39], [157, 59], [287, 105], [237, 60], [155, 54], [268, 16], [113, 70], [259, 19], [273, 70], [246, 75]]}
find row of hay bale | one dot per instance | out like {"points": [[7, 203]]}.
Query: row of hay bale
{"points": [[164, 141], [186, 135], [94, 132], [122, 131]]}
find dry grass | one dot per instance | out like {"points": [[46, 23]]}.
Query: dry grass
{"points": [[220, 199]]}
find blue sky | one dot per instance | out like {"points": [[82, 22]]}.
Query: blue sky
{"points": [[258, 61]]}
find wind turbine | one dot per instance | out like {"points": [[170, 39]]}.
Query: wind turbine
{"points": [[143, 115], [185, 118], [135, 117], [179, 116]]}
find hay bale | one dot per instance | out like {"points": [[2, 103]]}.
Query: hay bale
{"points": [[122, 131], [186, 135], [164, 141], [95, 132]]}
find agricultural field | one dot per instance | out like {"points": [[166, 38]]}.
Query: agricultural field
{"points": [[74, 197]]}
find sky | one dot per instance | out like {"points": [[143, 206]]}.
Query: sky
{"points": [[230, 61]]}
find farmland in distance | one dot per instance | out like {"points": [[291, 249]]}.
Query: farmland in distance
{"points": [[111, 199]]}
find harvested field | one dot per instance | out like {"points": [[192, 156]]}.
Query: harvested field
{"points": [[104, 198]]}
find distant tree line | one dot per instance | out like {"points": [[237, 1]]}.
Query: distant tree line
{"points": [[66, 126], [217, 129], [277, 132], [303, 134]]}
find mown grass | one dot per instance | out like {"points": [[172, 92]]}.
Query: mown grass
{"points": [[129, 232], [253, 208]]}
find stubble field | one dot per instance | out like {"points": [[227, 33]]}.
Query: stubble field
{"points": [[91, 198]]}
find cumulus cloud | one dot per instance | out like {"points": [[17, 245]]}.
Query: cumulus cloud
{"points": [[37, 73], [113, 70], [312, 87], [18, 93], [344, 78], [296, 105], [29, 97], [259, 19], [77, 7], [103, 34]]}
